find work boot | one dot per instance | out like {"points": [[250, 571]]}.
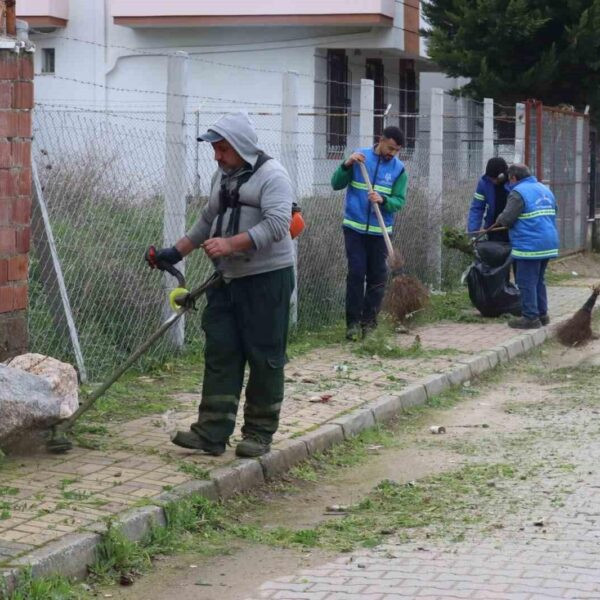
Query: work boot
{"points": [[353, 332], [544, 319], [368, 328], [191, 441], [525, 323], [251, 447]]}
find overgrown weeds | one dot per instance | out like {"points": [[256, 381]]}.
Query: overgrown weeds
{"points": [[47, 588]]}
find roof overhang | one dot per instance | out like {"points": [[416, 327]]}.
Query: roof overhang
{"points": [[205, 13], [44, 13], [43, 22]]}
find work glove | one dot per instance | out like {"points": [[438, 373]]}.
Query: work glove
{"points": [[160, 259]]}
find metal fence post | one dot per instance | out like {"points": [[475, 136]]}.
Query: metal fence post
{"points": [[197, 132], [519, 133], [367, 112], [52, 277], [436, 171], [289, 156], [463, 136], [175, 173], [488, 131], [578, 212], [289, 125]]}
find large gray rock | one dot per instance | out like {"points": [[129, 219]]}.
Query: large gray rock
{"points": [[36, 392]]}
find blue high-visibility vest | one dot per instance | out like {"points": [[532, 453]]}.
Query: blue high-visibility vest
{"points": [[534, 235], [359, 214]]}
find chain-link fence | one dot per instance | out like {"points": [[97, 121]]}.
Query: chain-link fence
{"points": [[104, 176], [557, 150]]}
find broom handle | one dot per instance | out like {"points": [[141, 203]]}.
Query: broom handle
{"points": [[386, 235]]}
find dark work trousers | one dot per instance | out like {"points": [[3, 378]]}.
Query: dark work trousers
{"points": [[530, 281], [367, 275], [245, 322]]}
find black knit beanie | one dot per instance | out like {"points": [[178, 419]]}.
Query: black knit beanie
{"points": [[495, 166]]}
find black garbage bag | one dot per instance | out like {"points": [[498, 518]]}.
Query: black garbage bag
{"points": [[490, 289]]}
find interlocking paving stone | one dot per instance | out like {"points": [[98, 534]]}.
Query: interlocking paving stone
{"points": [[85, 486]]}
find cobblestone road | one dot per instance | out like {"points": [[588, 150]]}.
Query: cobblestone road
{"points": [[549, 548]]}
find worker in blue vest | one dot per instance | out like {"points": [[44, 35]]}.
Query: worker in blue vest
{"points": [[489, 199], [530, 215], [365, 247]]}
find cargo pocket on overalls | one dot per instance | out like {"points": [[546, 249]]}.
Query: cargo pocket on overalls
{"points": [[277, 362]]}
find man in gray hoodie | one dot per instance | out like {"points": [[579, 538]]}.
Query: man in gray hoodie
{"points": [[244, 230]]}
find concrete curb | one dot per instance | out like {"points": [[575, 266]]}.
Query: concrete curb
{"points": [[70, 555]]}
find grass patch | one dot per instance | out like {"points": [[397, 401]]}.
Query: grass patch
{"points": [[47, 588], [193, 524], [302, 341], [117, 557], [136, 395], [382, 342], [347, 454], [193, 470], [557, 278], [453, 305]]}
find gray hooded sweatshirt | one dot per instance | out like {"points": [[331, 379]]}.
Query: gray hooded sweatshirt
{"points": [[266, 206]]}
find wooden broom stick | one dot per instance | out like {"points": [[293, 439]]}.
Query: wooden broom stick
{"points": [[386, 235]]}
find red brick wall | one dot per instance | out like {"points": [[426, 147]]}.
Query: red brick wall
{"points": [[411, 26], [16, 102]]}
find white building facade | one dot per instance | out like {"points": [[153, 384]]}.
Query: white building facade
{"points": [[91, 53]]}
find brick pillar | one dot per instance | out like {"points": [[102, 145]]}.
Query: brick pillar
{"points": [[16, 103]]}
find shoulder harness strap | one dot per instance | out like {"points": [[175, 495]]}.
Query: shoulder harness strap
{"points": [[231, 199]]}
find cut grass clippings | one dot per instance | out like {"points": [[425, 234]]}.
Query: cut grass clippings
{"points": [[382, 343], [445, 505]]}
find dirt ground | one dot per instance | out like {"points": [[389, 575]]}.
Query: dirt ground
{"points": [[522, 411]]}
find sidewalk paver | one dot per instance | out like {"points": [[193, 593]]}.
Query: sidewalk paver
{"points": [[46, 497]]}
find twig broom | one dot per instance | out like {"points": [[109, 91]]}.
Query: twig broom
{"points": [[578, 329]]}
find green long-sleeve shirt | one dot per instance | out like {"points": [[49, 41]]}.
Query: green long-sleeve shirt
{"points": [[393, 203]]}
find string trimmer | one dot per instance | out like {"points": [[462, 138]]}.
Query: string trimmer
{"points": [[181, 301]]}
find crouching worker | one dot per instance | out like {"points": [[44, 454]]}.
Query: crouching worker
{"points": [[244, 230], [489, 199], [530, 215]]}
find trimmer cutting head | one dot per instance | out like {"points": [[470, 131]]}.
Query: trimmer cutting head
{"points": [[58, 443]]}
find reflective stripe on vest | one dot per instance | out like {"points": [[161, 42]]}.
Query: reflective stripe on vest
{"points": [[539, 254], [538, 213], [363, 226], [378, 188]]}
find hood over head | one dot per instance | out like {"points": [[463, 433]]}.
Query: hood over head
{"points": [[238, 130]]}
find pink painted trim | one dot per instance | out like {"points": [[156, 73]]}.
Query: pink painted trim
{"points": [[256, 20], [165, 8], [58, 9]]}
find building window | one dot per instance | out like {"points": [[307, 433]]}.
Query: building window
{"points": [[408, 102], [338, 102], [374, 71], [48, 60]]}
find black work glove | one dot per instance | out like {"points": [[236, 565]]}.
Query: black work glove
{"points": [[160, 259]]}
